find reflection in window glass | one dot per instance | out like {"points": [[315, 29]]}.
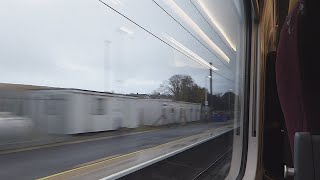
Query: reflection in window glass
{"points": [[155, 70]]}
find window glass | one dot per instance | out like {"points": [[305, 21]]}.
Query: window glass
{"points": [[155, 71]]}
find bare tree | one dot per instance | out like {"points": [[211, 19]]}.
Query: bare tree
{"points": [[182, 88]]}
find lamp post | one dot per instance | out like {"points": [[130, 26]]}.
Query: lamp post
{"points": [[210, 75], [230, 100], [206, 96], [107, 67]]}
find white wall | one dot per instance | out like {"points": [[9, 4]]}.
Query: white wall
{"points": [[159, 112], [49, 110], [76, 111]]}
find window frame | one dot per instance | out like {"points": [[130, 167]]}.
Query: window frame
{"points": [[252, 14]]}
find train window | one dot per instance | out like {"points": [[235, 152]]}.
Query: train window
{"points": [[173, 72]]}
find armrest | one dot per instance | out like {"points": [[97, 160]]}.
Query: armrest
{"points": [[306, 156]]}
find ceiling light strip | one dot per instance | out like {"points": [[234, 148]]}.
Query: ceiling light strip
{"points": [[193, 55], [217, 25], [196, 28]]}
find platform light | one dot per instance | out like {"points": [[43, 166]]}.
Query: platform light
{"points": [[191, 54], [217, 25], [116, 2], [196, 28], [126, 30]]}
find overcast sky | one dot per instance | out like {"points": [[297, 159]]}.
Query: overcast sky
{"points": [[84, 44]]}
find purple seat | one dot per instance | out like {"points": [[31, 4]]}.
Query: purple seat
{"points": [[297, 70]]}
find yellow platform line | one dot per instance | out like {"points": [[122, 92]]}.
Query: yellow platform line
{"points": [[95, 161]]}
